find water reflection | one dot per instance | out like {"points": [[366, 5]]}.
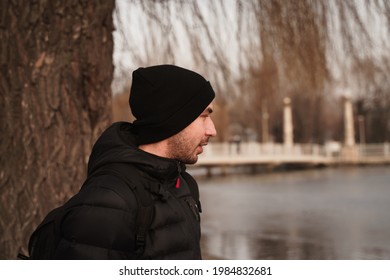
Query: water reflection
{"points": [[314, 214]]}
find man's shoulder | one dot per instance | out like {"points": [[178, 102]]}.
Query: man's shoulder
{"points": [[105, 191]]}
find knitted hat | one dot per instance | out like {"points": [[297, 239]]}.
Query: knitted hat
{"points": [[165, 99]]}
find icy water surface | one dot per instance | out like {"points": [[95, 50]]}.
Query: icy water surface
{"points": [[331, 213]]}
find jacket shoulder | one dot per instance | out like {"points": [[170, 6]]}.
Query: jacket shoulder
{"points": [[100, 221]]}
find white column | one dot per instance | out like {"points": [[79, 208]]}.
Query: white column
{"points": [[287, 123], [349, 131]]}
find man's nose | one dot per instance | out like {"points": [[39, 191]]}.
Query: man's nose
{"points": [[210, 129]]}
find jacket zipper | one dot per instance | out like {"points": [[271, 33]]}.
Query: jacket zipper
{"points": [[192, 217], [179, 172], [194, 208]]}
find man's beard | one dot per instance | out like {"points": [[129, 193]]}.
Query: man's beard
{"points": [[183, 149]]}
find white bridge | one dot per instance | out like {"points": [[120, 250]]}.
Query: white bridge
{"points": [[254, 153], [238, 153]]}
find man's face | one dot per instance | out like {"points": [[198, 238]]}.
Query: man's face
{"points": [[186, 145]]}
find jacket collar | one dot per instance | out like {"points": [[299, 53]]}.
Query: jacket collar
{"points": [[117, 144]]}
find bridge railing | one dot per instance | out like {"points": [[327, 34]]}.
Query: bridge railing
{"points": [[331, 152], [259, 149], [374, 150]]}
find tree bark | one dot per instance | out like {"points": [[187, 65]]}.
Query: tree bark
{"points": [[55, 96]]}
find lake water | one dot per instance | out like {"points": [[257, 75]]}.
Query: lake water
{"points": [[330, 213]]}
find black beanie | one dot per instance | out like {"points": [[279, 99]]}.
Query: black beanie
{"points": [[165, 99]]}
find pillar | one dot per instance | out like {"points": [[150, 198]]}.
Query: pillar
{"points": [[264, 127], [349, 131], [287, 123], [349, 150]]}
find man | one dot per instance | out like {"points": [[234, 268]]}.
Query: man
{"points": [[172, 106]]}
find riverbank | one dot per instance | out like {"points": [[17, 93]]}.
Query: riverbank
{"points": [[200, 171]]}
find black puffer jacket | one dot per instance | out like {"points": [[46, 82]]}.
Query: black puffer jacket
{"points": [[100, 223]]}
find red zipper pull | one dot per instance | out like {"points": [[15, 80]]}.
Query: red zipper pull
{"points": [[178, 183]]}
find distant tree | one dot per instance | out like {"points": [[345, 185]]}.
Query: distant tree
{"points": [[55, 99], [256, 52], [120, 106], [373, 99]]}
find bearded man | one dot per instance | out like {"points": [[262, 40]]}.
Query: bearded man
{"points": [[138, 201]]}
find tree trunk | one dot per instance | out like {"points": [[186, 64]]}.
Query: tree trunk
{"points": [[55, 99]]}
